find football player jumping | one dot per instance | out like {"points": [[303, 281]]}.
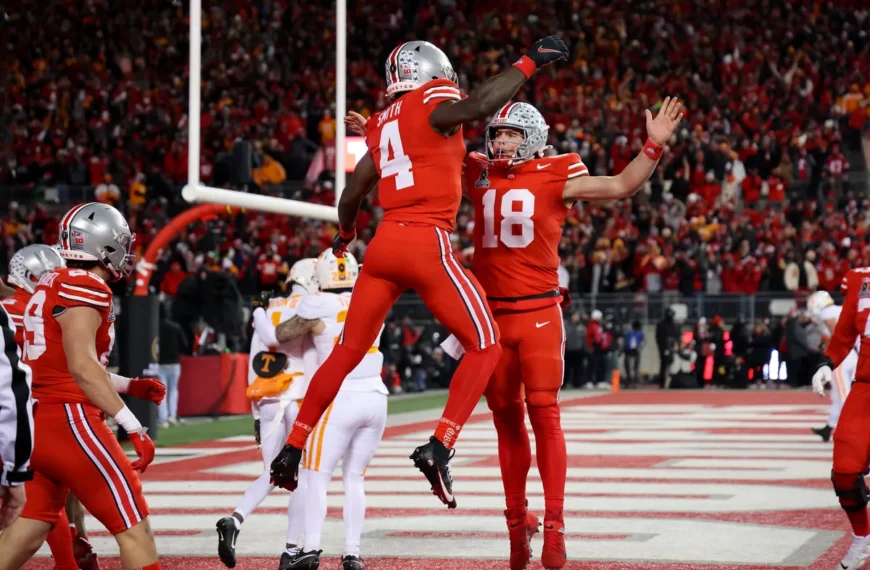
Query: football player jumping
{"points": [[415, 157], [521, 197]]}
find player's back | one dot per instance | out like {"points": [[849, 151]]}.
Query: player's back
{"points": [[331, 308], [57, 292], [420, 170], [518, 217], [15, 306]]}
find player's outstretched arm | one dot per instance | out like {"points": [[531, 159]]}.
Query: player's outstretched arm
{"points": [[364, 179], [497, 91], [79, 326], [630, 180]]}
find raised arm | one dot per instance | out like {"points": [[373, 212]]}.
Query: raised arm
{"points": [[630, 180], [497, 91]]}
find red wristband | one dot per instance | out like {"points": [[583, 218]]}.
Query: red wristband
{"points": [[652, 150], [526, 65], [347, 236]]}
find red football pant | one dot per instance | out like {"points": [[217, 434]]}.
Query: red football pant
{"points": [[852, 456], [532, 367], [418, 257], [74, 450], [60, 541]]}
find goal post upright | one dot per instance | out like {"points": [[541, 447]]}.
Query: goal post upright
{"points": [[194, 191], [340, 95]]}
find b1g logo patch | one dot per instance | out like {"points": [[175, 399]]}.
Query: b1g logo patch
{"points": [[78, 238], [269, 364], [483, 179]]}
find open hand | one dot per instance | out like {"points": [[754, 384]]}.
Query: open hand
{"points": [[355, 123], [660, 129]]}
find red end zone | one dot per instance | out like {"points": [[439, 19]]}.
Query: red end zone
{"points": [[657, 480]]}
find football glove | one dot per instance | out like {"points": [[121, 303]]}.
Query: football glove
{"points": [[262, 300], [284, 471], [341, 245], [257, 431], [144, 449], [823, 375], [566, 298], [548, 50], [148, 389]]}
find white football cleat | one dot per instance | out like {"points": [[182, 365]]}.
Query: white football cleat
{"points": [[858, 553]]}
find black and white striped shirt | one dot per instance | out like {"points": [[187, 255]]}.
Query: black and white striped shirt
{"points": [[16, 409]]}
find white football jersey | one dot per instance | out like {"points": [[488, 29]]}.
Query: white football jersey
{"points": [[298, 351], [331, 308]]}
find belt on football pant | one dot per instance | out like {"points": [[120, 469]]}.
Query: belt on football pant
{"points": [[547, 295]]}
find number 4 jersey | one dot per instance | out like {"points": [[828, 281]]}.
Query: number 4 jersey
{"points": [[420, 169], [518, 217], [57, 292]]}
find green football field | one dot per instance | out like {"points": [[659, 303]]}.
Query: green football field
{"points": [[207, 429]]}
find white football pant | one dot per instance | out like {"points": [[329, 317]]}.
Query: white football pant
{"points": [[841, 384], [276, 421], [350, 431]]}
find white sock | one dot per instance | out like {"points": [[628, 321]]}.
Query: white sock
{"points": [[315, 508], [254, 495], [236, 522], [354, 512], [296, 510]]}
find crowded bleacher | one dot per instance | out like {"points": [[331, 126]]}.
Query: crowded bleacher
{"points": [[763, 189]]}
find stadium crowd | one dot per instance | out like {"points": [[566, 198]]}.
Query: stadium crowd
{"points": [[754, 193]]}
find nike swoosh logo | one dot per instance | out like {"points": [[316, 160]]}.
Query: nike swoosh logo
{"points": [[540, 166], [539, 325], [843, 566], [548, 50]]}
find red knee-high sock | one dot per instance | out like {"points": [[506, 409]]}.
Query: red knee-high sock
{"points": [[60, 542], [322, 390], [466, 388], [551, 453], [155, 566], [859, 521], [514, 453]]}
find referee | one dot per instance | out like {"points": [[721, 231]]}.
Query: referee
{"points": [[16, 425]]}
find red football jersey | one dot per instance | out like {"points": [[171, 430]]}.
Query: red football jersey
{"points": [[518, 216], [56, 292], [15, 305], [853, 322], [421, 171]]}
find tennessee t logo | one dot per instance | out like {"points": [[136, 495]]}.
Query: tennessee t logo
{"points": [[268, 360]]}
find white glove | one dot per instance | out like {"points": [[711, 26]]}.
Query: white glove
{"points": [[821, 378]]}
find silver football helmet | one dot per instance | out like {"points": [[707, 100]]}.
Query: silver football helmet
{"points": [[98, 232], [526, 119], [416, 63], [32, 262]]}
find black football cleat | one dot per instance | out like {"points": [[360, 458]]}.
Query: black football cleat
{"points": [[284, 471], [228, 532], [300, 561], [352, 563], [824, 433], [433, 459]]}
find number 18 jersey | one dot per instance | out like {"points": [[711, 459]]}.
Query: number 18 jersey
{"points": [[420, 170], [518, 217], [55, 293]]}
